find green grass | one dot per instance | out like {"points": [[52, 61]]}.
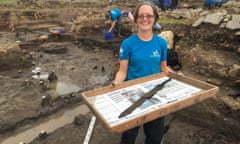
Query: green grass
{"points": [[169, 20], [7, 1], [27, 11]]}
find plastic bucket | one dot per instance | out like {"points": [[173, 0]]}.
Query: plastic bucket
{"points": [[167, 3], [108, 35]]}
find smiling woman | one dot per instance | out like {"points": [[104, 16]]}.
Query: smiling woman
{"points": [[143, 54]]}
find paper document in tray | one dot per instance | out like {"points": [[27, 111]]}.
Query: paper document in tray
{"points": [[111, 104]]}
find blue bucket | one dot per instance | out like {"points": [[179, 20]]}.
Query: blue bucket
{"points": [[167, 3], [108, 35]]}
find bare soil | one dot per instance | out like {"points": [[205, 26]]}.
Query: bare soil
{"points": [[81, 57]]}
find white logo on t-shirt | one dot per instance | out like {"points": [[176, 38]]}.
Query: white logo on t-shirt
{"points": [[155, 54]]}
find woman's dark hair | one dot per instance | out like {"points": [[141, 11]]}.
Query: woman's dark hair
{"points": [[155, 12]]}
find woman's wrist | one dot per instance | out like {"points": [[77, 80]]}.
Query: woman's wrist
{"points": [[114, 82]]}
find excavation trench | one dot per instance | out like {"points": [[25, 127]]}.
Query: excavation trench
{"points": [[83, 62], [50, 124]]}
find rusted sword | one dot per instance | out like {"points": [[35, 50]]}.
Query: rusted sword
{"points": [[147, 95]]}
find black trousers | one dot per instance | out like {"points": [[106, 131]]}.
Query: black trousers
{"points": [[174, 4], [153, 131]]}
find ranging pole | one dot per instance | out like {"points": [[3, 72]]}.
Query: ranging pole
{"points": [[90, 129]]}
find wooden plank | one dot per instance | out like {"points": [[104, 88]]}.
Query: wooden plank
{"points": [[207, 91]]}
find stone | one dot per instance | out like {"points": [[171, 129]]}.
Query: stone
{"points": [[52, 76], [42, 134], [79, 120], [214, 18], [198, 22], [169, 37], [234, 72], [232, 25], [43, 37], [46, 100]]}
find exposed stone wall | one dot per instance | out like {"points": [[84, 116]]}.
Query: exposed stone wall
{"points": [[12, 56], [4, 15]]}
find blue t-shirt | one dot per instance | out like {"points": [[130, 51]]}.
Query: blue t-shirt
{"points": [[144, 56], [115, 14]]}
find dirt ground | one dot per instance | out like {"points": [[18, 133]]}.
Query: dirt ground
{"points": [[80, 59]]}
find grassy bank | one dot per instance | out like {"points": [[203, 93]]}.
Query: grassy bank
{"points": [[7, 1]]}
